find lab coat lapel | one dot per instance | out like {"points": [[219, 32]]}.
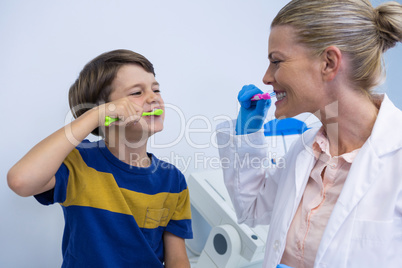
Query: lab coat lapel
{"points": [[304, 164], [294, 183]]}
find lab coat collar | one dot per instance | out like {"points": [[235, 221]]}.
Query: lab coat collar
{"points": [[305, 161], [389, 118]]}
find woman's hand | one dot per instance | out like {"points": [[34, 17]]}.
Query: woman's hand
{"points": [[252, 113]]}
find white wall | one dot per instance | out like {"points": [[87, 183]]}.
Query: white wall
{"points": [[203, 52]]}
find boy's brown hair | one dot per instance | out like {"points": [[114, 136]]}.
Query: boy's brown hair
{"points": [[93, 85]]}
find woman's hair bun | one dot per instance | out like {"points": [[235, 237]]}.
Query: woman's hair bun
{"points": [[389, 23]]}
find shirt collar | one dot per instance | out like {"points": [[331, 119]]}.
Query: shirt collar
{"points": [[321, 146]]}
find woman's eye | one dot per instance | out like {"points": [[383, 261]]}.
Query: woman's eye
{"points": [[157, 91]]}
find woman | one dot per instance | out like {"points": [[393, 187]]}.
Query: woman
{"points": [[337, 202]]}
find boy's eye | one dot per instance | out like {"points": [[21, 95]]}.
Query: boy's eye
{"points": [[157, 91], [138, 93]]}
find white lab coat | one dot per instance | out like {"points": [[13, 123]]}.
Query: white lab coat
{"points": [[365, 227]]}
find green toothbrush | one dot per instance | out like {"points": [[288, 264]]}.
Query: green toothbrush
{"points": [[109, 120]]}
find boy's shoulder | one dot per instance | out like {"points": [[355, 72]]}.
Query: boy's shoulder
{"points": [[88, 145], [162, 163], [164, 166], [169, 173]]}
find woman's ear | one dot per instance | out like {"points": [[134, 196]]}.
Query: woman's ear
{"points": [[331, 59]]}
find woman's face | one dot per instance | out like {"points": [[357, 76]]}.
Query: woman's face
{"points": [[294, 74]]}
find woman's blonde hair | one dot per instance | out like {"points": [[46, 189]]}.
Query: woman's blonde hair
{"points": [[358, 29]]}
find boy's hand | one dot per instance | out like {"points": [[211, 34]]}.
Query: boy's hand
{"points": [[125, 110], [252, 113]]}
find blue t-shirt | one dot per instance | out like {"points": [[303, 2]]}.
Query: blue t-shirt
{"points": [[115, 214]]}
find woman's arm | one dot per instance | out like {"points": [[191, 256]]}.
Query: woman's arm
{"points": [[248, 179], [175, 251]]}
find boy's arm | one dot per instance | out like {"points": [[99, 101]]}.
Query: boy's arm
{"points": [[35, 172], [175, 251]]}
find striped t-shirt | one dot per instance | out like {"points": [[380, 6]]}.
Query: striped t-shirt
{"points": [[115, 214]]}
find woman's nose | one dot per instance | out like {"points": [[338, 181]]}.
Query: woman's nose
{"points": [[268, 77]]}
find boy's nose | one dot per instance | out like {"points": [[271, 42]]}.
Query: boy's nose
{"points": [[151, 97]]}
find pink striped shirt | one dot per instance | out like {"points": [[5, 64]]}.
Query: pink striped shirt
{"points": [[322, 191]]}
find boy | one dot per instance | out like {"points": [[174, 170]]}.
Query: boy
{"points": [[122, 206]]}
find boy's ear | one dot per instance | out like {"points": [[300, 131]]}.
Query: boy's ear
{"points": [[331, 61]]}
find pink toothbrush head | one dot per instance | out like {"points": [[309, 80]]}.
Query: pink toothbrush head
{"points": [[264, 96]]}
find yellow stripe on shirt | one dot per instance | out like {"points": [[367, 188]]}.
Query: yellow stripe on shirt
{"points": [[91, 188]]}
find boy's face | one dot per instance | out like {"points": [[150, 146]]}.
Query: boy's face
{"points": [[141, 88]]}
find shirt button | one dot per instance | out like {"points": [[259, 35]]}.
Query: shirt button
{"points": [[276, 245]]}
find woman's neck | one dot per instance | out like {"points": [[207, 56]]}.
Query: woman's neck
{"points": [[348, 121]]}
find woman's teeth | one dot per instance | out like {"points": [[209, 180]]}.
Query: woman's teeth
{"points": [[280, 95]]}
